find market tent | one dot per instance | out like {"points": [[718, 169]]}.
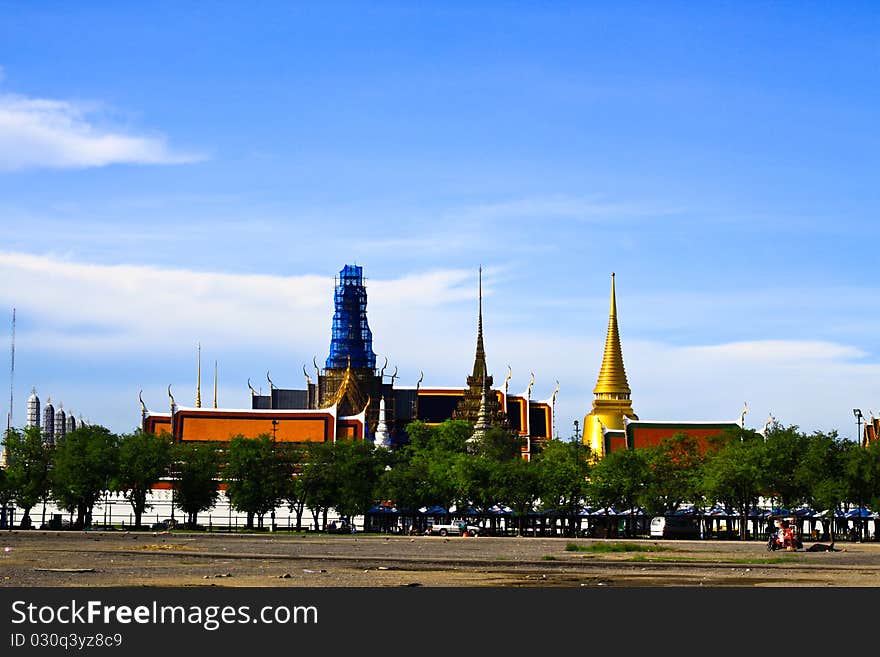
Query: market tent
{"points": [[436, 510], [605, 512], [382, 508], [718, 511], [500, 510], [635, 511]]}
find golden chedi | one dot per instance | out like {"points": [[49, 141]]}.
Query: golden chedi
{"points": [[611, 396]]}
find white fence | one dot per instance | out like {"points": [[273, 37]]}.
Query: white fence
{"points": [[113, 510]]}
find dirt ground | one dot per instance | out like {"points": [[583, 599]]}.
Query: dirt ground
{"points": [[94, 558]]}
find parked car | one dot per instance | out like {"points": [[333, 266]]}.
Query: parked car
{"points": [[674, 527], [459, 527], [342, 527]]}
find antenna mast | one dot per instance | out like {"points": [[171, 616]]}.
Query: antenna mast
{"points": [[11, 374]]}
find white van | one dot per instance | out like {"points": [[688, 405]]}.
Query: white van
{"points": [[674, 527]]}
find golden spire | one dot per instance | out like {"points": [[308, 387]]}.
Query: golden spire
{"points": [[612, 376], [199, 378], [215, 384]]}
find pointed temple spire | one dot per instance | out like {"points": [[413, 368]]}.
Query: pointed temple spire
{"points": [[612, 403], [215, 384], [612, 375], [480, 369], [479, 383]]}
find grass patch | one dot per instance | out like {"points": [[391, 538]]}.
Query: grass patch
{"points": [[755, 561], [615, 547], [548, 557]]}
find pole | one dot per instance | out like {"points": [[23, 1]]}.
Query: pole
{"points": [[11, 374], [573, 502], [274, 464]]}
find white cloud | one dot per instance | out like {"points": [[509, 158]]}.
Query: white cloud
{"points": [[37, 132], [565, 207], [127, 308]]}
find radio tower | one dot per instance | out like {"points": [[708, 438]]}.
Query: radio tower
{"points": [[11, 374]]}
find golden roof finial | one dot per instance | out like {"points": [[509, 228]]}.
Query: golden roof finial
{"points": [[308, 378], [215, 384], [253, 392], [612, 375], [143, 406], [171, 397]]}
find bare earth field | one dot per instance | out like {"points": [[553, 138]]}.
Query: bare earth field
{"points": [[94, 559]]}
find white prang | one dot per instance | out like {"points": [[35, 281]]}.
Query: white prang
{"points": [[382, 439]]}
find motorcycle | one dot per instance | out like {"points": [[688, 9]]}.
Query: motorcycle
{"points": [[784, 537]]}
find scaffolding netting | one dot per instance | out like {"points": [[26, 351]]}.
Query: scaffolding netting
{"points": [[351, 336]]}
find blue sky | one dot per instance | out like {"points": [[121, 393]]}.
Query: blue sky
{"points": [[181, 173]]}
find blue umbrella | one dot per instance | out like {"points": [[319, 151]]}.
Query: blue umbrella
{"points": [[859, 513]]}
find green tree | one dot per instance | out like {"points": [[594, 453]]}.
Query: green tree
{"points": [[144, 458], [821, 473], [406, 481], [85, 462], [194, 470], [5, 493], [856, 466], [784, 450], [562, 472], [617, 481], [28, 464], [356, 474], [732, 474], [294, 455], [673, 474], [873, 492], [256, 476], [516, 483], [318, 481]]}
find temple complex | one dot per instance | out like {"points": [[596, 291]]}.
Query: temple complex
{"points": [[352, 399]]}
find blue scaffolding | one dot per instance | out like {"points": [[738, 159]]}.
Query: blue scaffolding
{"points": [[351, 337]]}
